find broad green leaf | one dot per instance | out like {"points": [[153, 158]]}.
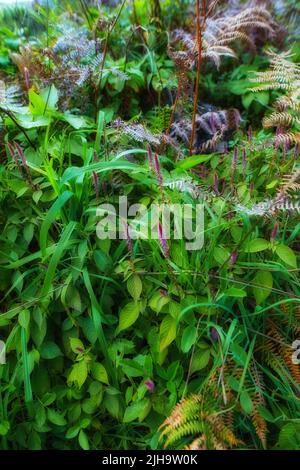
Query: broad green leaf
{"points": [[128, 315], [75, 121], [135, 287], [50, 350], [289, 436], [189, 337], [83, 440], [235, 292], [158, 301], [137, 410], [246, 402], [55, 417], [78, 374], [77, 346], [200, 359], [50, 97], [256, 245], [287, 255], [24, 318], [4, 428], [190, 162], [99, 372], [167, 332], [221, 254], [264, 282]]}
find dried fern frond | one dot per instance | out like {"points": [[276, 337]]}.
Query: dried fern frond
{"points": [[278, 354], [198, 444], [285, 102], [287, 139], [258, 400], [283, 75], [282, 119], [221, 33], [290, 182]]}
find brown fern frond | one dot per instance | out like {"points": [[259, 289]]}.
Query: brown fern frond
{"points": [[283, 119], [287, 139], [284, 102], [283, 75], [221, 431], [279, 357], [221, 33], [291, 182], [258, 421], [198, 444]]}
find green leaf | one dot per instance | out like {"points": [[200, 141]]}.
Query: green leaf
{"points": [[239, 354], [50, 97], [72, 432], [26, 366], [246, 402], [78, 374], [135, 287], [256, 245], [188, 338], [77, 346], [167, 332], [83, 440], [4, 428], [235, 292], [200, 360], [136, 411], [190, 162], [56, 418], [99, 372], [24, 318], [77, 122], [51, 215], [287, 255], [100, 127], [50, 350], [128, 315], [289, 437], [61, 246], [220, 254], [158, 301], [264, 281]]}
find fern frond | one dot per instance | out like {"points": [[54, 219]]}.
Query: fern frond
{"points": [[198, 444], [9, 97], [186, 429], [283, 119], [291, 182], [288, 139]]}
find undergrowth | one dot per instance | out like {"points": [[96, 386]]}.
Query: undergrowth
{"points": [[141, 343]]}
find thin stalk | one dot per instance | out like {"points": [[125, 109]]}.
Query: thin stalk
{"points": [[199, 63], [9, 114]]}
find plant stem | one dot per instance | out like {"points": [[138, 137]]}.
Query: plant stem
{"points": [[196, 95], [9, 114]]}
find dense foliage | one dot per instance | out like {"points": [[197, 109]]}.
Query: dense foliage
{"points": [[141, 343]]}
